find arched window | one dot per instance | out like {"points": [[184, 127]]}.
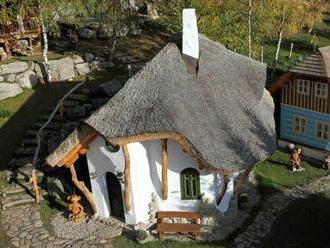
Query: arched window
{"points": [[190, 188]]}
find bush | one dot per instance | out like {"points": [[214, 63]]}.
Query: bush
{"points": [[141, 235], [4, 113]]}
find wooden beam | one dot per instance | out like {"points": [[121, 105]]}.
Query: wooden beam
{"points": [[81, 185], [164, 168], [242, 178], [127, 178], [224, 188]]}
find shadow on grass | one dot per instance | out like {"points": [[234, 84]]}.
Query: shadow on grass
{"points": [[304, 223]]}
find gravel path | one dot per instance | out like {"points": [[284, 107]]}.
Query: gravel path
{"points": [[256, 232]]}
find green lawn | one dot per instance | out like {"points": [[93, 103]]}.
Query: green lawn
{"points": [[275, 173], [305, 223]]}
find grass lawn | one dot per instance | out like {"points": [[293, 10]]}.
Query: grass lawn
{"points": [[305, 223], [275, 173]]}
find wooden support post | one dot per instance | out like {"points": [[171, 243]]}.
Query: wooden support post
{"points": [[242, 178], [33, 180], [81, 185], [224, 188], [164, 168], [127, 178]]}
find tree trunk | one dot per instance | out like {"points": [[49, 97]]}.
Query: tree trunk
{"points": [[82, 187], [250, 14], [45, 39], [291, 48], [262, 54], [279, 41]]}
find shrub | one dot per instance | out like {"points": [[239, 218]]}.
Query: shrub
{"points": [[4, 113]]}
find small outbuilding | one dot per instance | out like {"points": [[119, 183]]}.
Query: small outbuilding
{"points": [[180, 130]]}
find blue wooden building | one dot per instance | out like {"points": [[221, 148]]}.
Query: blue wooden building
{"points": [[304, 96]]}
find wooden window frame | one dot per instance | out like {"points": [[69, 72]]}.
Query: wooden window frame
{"points": [[321, 90], [323, 125], [300, 121], [299, 80], [183, 178]]}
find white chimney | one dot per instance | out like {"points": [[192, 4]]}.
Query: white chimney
{"points": [[190, 45]]}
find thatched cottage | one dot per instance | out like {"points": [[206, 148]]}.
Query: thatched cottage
{"points": [[180, 128]]}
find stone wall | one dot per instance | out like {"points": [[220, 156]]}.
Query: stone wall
{"points": [[18, 75]]}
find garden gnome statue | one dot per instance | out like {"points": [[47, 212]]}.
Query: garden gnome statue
{"points": [[326, 163], [295, 160], [77, 214]]}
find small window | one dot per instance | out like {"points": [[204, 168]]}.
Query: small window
{"points": [[322, 130], [111, 147], [321, 90], [303, 86], [299, 125], [190, 188]]}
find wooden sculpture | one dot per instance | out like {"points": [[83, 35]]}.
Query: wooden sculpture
{"points": [[77, 214]]}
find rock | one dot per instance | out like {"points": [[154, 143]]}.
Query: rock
{"points": [[40, 69], [55, 188], [15, 67], [99, 59], [101, 65], [62, 69], [83, 68], [89, 57], [28, 79], [31, 65], [77, 59], [87, 34], [109, 88], [23, 44], [9, 90], [10, 77], [2, 79], [105, 32]]}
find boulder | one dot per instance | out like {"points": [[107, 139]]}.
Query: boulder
{"points": [[15, 67], [2, 79], [101, 65], [55, 188], [40, 69], [89, 57], [10, 77], [77, 59], [66, 68], [87, 34], [83, 68], [31, 65], [62, 69], [99, 59], [109, 88], [9, 90], [28, 79]]}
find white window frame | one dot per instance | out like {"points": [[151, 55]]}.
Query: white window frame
{"points": [[302, 125], [324, 131], [323, 90], [303, 86]]}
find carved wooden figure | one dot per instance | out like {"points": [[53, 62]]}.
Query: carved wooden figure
{"points": [[77, 214]]}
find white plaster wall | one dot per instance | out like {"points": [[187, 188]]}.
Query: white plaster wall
{"points": [[146, 178]]}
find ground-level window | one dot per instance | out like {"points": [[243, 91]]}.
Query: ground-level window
{"points": [[321, 90], [299, 125], [322, 130], [190, 187], [303, 86]]}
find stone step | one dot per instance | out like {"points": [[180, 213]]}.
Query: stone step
{"points": [[52, 125], [30, 142], [25, 151], [19, 199], [78, 97], [24, 173], [23, 161], [31, 133]]}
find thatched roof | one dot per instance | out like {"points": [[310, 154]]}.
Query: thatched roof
{"points": [[224, 112]]}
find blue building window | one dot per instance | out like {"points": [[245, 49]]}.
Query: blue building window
{"points": [[322, 130], [299, 125]]}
